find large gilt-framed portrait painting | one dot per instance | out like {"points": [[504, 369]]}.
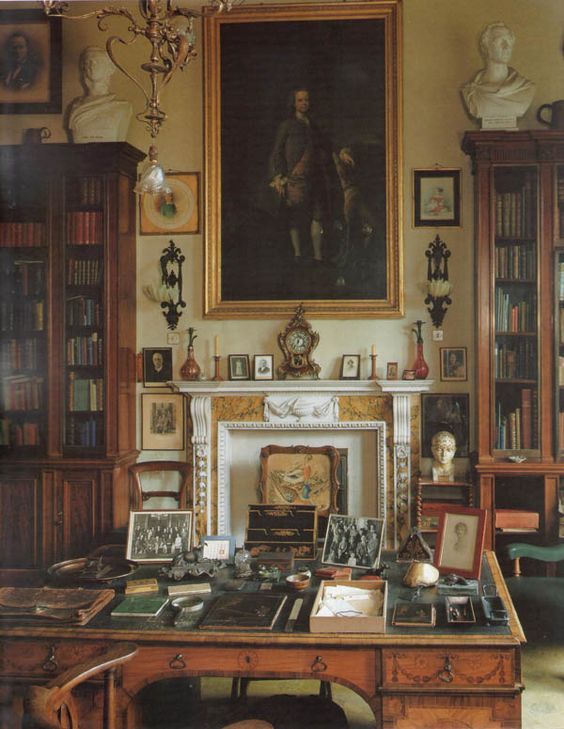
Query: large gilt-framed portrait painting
{"points": [[302, 138]]}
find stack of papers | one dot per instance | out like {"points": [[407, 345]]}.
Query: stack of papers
{"points": [[343, 602]]}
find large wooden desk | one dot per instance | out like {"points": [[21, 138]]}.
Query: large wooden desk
{"points": [[411, 678]]}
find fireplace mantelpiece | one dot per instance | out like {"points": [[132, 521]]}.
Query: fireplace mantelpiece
{"points": [[389, 407]]}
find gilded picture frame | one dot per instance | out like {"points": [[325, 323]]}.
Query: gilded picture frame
{"points": [[177, 210], [273, 241]]}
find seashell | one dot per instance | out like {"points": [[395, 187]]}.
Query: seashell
{"points": [[421, 574]]}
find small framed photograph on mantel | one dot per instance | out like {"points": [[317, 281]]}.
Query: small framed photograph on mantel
{"points": [[239, 367], [263, 367], [350, 367]]}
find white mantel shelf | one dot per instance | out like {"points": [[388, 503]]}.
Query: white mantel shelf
{"points": [[245, 387]]}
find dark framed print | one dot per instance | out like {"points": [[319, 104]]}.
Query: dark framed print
{"points": [[219, 547], [263, 367], [392, 371], [350, 367], [445, 412], [30, 69], [239, 367], [453, 364], [162, 422], [436, 198], [282, 226], [353, 541], [158, 536], [175, 210], [460, 541], [157, 366]]}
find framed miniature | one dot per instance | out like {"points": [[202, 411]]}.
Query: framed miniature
{"points": [[158, 536], [219, 547], [256, 263], [460, 541], [436, 198], [263, 367], [162, 422], [350, 367], [353, 541], [30, 69], [392, 371], [239, 367], [453, 364], [157, 366], [445, 412], [175, 210]]}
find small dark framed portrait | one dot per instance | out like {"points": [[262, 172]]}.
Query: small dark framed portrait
{"points": [[436, 198], [157, 366], [445, 412], [239, 367], [263, 367], [453, 364], [350, 367], [158, 536], [353, 541], [392, 371], [408, 375]]}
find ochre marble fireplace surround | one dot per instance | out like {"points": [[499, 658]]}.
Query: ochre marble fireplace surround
{"points": [[220, 413]]}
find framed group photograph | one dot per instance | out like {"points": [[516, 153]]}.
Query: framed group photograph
{"points": [[263, 367], [445, 412], [453, 364], [353, 541], [158, 536], [436, 198], [219, 547], [239, 367], [175, 210], [460, 541], [162, 420], [30, 64], [350, 367], [264, 249], [157, 366]]}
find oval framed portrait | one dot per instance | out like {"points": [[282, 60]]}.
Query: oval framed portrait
{"points": [[175, 210]]}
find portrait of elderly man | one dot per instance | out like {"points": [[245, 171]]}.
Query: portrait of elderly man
{"points": [[20, 62]]}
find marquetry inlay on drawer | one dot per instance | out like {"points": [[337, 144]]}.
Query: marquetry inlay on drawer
{"points": [[447, 667], [45, 657]]}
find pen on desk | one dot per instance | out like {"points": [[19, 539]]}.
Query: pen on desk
{"points": [[296, 607]]}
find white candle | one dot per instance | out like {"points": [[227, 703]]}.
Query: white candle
{"points": [[216, 345], [373, 350]]}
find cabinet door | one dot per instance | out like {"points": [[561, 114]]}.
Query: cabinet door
{"points": [[78, 511], [20, 509]]}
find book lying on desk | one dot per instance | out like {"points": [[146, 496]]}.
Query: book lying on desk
{"points": [[414, 614], [246, 611], [140, 606]]}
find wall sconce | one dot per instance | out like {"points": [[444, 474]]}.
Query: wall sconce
{"points": [[169, 293], [438, 286]]}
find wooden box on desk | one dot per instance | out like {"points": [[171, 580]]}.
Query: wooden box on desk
{"points": [[335, 624]]}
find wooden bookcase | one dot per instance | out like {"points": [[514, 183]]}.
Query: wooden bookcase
{"points": [[67, 349], [516, 231]]}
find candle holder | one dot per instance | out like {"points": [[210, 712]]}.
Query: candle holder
{"points": [[216, 360], [373, 365]]}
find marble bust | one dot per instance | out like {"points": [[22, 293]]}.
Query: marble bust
{"points": [[443, 447], [498, 94], [97, 116]]}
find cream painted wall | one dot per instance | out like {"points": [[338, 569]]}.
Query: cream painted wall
{"points": [[440, 42]]}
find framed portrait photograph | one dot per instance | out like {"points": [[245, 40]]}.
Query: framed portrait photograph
{"points": [[392, 371], [30, 66], [453, 364], [157, 366], [445, 412], [354, 541], [265, 211], [176, 210], [158, 536], [219, 547], [162, 422], [460, 541], [436, 198], [263, 367], [239, 367], [350, 367]]}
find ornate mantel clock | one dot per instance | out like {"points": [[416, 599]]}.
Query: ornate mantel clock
{"points": [[297, 343]]}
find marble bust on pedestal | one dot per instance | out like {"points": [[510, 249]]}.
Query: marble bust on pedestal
{"points": [[443, 447], [97, 116], [498, 94]]}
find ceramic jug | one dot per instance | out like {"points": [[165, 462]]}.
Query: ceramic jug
{"points": [[556, 120]]}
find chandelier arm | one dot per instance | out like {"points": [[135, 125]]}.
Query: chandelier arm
{"points": [[117, 64]]}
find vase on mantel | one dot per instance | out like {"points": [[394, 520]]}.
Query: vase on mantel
{"points": [[420, 366], [191, 370]]}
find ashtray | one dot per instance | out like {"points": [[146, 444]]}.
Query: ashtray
{"points": [[459, 611], [298, 581], [190, 604]]}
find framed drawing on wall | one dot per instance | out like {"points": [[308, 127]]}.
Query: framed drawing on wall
{"points": [[436, 198], [30, 44], [162, 422], [279, 229], [175, 210]]}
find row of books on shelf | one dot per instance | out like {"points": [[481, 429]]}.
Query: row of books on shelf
{"points": [[84, 272], [18, 234], [19, 354], [85, 227], [21, 316], [85, 350], [89, 190], [517, 429], [19, 434], [83, 311], [517, 360], [22, 392], [517, 261], [86, 433], [85, 393], [516, 213], [514, 316], [23, 278]]}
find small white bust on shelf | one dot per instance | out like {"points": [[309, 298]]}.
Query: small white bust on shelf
{"points": [[498, 94], [97, 116], [443, 447]]}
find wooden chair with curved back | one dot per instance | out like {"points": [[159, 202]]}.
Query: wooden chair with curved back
{"points": [[51, 706], [139, 494]]}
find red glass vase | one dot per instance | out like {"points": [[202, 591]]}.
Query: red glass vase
{"points": [[190, 370], [420, 366]]}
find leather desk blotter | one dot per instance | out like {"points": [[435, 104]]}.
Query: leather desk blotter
{"points": [[63, 606]]}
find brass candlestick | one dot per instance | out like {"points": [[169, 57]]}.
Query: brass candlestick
{"points": [[216, 359], [373, 364]]}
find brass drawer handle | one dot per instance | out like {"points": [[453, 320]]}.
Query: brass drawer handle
{"points": [[318, 665], [447, 674], [178, 662], [50, 665]]}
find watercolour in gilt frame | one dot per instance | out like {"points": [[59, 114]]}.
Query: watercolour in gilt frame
{"points": [[283, 226], [436, 198], [175, 210], [30, 70]]}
